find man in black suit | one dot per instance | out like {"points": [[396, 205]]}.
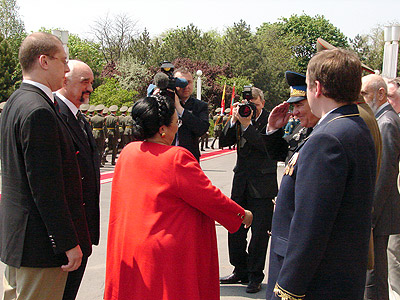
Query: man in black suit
{"points": [[43, 229], [76, 90], [193, 113], [254, 186]]}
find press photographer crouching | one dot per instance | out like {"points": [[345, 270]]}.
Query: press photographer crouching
{"points": [[254, 186], [158, 193]]}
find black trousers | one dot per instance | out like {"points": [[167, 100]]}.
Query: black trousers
{"points": [[74, 281], [252, 261], [377, 287]]}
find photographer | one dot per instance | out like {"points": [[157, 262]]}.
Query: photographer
{"points": [[193, 113], [254, 186]]}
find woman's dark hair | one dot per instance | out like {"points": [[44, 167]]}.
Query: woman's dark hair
{"points": [[149, 114]]}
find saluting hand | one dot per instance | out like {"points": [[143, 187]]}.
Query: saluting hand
{"points": [[279, 116]]}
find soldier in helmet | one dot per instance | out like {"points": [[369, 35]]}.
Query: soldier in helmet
{"points": [[98, 124], [128, 127], [218, 124], [112, 133], [121, 121]]}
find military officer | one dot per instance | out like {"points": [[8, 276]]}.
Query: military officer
{"points": [[128, 127], [98, 124], [217, 125], [301, 111], [84, 109], [112, 133]]}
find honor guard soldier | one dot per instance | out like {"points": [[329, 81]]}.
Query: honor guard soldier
{"points": [[98, 124], [112, 133], [84, 109], [218, 124], [121, 121], [91, 110], [128, 127]]}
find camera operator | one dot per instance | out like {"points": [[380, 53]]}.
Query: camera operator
{"points": [[254, 186], [192, 112]]}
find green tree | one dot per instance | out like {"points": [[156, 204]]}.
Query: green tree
{"points": [[239, 49], [188, 42], [276, 58], [309, 29], [133, 76], [111, 93], [8, 65]]}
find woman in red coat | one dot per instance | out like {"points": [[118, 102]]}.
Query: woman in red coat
{"points": [[161, 236]]}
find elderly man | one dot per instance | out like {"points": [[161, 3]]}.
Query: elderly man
{"points": [[193, 113], [321, 223], [386, 206], [393, 95], [254, 186], [77, 87], [301, 110], [42, 216]]}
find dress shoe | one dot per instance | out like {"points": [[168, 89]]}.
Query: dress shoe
{"points": [[233, 278], [253, 287]]}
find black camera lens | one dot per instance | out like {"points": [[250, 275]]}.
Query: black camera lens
{"points": [[245, 110]]}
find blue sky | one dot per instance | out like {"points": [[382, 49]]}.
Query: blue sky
{"points": [[77, 16]]}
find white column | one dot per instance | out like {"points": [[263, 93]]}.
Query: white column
{"points": [[199, 73]]}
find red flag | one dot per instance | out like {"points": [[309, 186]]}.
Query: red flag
{"points": [[233, 98]]}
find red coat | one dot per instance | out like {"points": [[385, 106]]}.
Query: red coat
{"points": [[161, 237]]}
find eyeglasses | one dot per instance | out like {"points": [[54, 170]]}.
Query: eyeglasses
{"points": [[63, 60]]}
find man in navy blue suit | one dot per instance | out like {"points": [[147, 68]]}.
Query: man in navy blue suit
{"points": [[321, 224]]}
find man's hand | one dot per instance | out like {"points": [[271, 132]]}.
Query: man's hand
{"points": [[248, 218], [178, 106], [237, 117], [279, 116], [74, 256]]}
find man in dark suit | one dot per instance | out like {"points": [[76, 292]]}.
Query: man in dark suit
{"points": [[76, 90], [254, 186], [43, 229], [193, 113], [386, 205], [322, 218]]}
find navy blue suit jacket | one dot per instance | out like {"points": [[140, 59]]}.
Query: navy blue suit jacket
{"points": [[322, 221]]}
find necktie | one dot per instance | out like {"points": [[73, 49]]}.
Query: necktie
{"points": [[82, 124]]}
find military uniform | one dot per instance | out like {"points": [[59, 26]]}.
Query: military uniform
{"points": [[122, 124], [218, 119], [128, 134], [98, 123], [112, 126]]}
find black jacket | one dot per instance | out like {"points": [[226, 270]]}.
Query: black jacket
{"points": [[41, 209], [89, 165], [257, 155]]}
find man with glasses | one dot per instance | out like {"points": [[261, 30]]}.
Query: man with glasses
{"points": [[42, 217]]}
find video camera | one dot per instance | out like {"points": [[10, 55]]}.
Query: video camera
{"points": [[247, 107], [166, 81]]}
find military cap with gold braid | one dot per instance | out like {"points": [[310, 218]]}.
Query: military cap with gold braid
{"points": [[324, 45], [298, 87]]}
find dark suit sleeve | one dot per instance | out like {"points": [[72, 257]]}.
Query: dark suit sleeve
{"points": [[228, 135], [320, 181], [277, 146], [197, 123], [40, 141], [388, 169]]}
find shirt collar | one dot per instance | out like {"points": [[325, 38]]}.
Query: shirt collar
{"points": [[70, 105], [44, 88], [381, 107]]}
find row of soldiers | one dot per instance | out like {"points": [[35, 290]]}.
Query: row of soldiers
{"points": [[110, 131]]}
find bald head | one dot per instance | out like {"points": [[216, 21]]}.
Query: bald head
{"points": [[374, 91], [77, 85]]}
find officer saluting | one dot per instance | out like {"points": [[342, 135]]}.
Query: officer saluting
{"points": [[301, 111]]}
